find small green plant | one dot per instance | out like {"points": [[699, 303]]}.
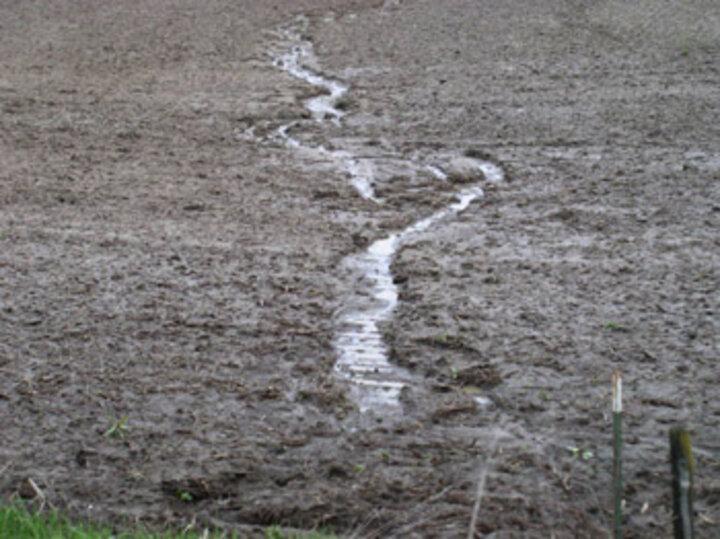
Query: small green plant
{"points": [[185, 496], [543, 395], [277, 532], [580, 453], [454, 372], [614, 326], [358, 468], [117, 427], [274, 532]]}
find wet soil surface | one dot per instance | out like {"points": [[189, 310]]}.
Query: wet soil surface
{"points": [[167, 259]]}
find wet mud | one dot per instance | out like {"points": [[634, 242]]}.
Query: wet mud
{"points": [[256, 267]]}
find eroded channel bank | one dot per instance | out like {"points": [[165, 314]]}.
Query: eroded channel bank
{"points": [[362, 354]]}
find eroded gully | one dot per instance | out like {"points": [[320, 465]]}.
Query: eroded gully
{"points": [[375, 383]]}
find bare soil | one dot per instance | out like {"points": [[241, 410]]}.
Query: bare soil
{"points": [[163, 260]]}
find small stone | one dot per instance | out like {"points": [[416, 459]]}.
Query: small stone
{"points": [[464, 170]]}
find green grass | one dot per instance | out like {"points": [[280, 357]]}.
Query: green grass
{"points": [[17, 522]]}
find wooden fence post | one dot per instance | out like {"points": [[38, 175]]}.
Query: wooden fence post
{"points": [[683, 467]]}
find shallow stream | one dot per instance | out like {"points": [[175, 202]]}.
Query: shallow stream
{"points": [[375, 383]]}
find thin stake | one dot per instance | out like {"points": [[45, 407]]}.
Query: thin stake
{"points": [[39, 494], [617, 454], [683, 467], [482, 481]]}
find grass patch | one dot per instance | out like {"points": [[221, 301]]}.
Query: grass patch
{"points": [[18, 522]]}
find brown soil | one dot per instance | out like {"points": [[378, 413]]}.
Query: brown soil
{"points": [[156, 264]]}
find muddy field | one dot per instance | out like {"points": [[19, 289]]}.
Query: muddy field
{"points": [[174, 273]]}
